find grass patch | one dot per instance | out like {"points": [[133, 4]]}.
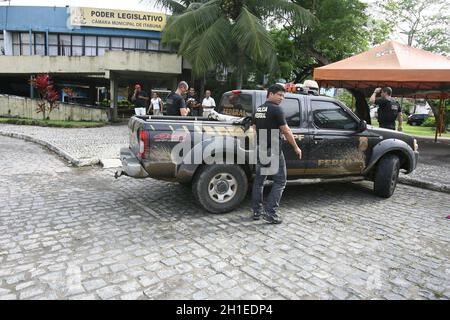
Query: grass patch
{"points": [[416, 130], [53, 123]]}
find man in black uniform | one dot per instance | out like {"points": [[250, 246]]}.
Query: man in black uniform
{"points": [[388, 109], [140, 97], [175, 104], [268, 122]]}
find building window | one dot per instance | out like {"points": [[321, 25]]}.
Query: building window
{"points": [[141, 44], [116, 44], [52, 44], [103, 45], [153, 45], [39, 44], [77, 45], [129, 44], [90, 45], [25, 44], [65, 47], [16, 44]]}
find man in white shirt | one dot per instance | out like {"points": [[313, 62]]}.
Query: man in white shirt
{"points": [[208, 103]]}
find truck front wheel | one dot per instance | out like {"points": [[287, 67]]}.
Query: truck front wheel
{"points": [[220, 188], [386, 176]]}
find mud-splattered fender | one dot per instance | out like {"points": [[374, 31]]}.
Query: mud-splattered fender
{"points": [[393, 146]]}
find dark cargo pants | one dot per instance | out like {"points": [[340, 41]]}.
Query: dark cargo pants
{"points": [[279, 183]]}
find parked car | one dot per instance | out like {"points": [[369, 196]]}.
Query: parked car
{"points": [[417, 119]]}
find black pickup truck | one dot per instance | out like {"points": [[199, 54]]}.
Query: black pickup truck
{"points": [[336, 145]]}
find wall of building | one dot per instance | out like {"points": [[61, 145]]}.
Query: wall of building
{"points": [[13, 106], [112, 60]]}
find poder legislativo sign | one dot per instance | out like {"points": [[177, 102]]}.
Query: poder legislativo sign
{"points": [[109, 18]]}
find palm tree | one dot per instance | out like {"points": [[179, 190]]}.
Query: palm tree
{"points": [[228, 32]]}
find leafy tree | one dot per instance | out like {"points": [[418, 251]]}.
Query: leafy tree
{"points": [[342, 30], [228, 32], [423, 22]]}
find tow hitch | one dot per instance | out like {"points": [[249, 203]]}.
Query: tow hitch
{"points": [[119, 173]]}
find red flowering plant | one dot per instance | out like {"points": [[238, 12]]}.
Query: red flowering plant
{"points": [[47, 94]]}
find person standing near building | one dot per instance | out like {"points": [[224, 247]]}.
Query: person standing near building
{"points": [[269, 121], [388, 109], [156, 105], [192, 101], [175, 104], [140, 97], [208, 103]]}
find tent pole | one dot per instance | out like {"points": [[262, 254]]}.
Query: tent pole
{"points": [[441, 118], [438, 124]]}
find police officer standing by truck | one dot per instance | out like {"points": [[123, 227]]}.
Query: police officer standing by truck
{"points": [[388, 109], [268, 122]]}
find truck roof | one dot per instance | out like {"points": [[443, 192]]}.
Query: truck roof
{"points": [[287, 94]]}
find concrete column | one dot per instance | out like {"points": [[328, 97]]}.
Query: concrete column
{"points": [[30, 45], [92, 95], [46, 42], [31, 88], [174, 84], [113, 95]]}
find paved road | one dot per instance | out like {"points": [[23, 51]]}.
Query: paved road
{"points": [[76, 233], [90, 145], [434, 162]]}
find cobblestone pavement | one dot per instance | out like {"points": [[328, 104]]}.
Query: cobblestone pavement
{"points": [[76, 233], [434, 164], [83, 144], [92, 144]]}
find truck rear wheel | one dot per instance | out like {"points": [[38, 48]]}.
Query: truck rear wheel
{"points": [[386, 176], [220, 188]]}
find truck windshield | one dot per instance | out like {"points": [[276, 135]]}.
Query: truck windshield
{"points": [[239, 104]]}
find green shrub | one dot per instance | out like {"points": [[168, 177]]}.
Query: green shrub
{"points": [[429, 122], [125, 104]]}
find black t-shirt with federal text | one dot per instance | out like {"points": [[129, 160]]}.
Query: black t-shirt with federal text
{"points": [[174, 103], [269, 116]]}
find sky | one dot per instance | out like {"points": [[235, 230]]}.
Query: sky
{"points": [[133, 5]]}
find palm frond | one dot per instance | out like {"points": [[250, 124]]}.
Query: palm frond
{"points": [[209, 48], [250, 35], [198, 19], [176, 7], [284, 7]]}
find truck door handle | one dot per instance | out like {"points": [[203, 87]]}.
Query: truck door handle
{"points": [[317, 139]]}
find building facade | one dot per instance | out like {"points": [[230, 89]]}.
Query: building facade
{"points": [[100, 54]]}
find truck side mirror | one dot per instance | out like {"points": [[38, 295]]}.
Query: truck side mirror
{"points": [[362, 126]]}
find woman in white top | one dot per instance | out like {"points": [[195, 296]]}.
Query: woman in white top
{"points": [[156, 105]]}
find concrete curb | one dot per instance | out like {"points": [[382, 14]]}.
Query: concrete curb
{"points": [[90, 162], [74, 161], [424, 184]]}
